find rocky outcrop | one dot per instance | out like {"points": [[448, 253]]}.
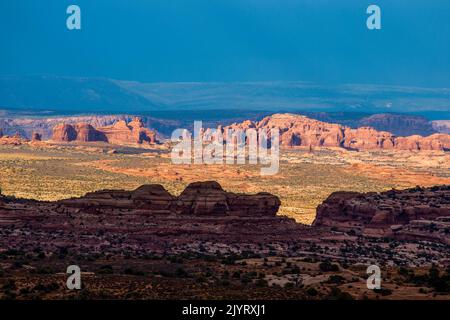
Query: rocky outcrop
{"points": [[120, 132], [64, 133], [297, 130], [44, 126], [198, 199], [15, 140], [86, 132], [209, 220], [398, 124], [131, 133], [394, 213], [36, 137]]}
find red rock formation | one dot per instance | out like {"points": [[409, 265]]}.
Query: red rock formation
{"points": [[149, 219], [199, 198], [64, 133], [296, 130], [86, 132], [15, 140], [119, 133], [390, 213]]}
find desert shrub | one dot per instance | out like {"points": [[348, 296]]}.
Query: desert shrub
{"points": [[133, 272], [46, 287], [383, 291], [327, 266], [289, 285], [337, 279], [312, 292], [180, 272], [261, 283], [10, 285], [338, 294], [44, 270], [106, 269], [175, 260], [230, 260]]}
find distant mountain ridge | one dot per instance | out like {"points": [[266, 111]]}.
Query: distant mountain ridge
{"points": [[72, 96], [68, 95]]}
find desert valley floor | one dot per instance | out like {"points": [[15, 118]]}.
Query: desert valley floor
{"points": [[306, 177]]}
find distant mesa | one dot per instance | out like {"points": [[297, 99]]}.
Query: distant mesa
{"points": [[399, 124], [297, 130], [120, 132]]}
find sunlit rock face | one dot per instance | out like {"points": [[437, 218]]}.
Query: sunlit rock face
{"points": [[297, 130], [120, 132]]}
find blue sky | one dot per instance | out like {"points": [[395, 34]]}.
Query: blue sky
{"points": [[230, 40]]}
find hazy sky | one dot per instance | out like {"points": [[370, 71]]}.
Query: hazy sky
{"points": [[230, 40]]}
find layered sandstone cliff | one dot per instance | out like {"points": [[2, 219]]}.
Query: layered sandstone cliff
{"points": [[198, 199], [297, 130], [120, 132], [418, 213]]}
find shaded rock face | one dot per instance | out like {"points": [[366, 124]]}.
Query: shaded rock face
{"points": [[198, 199], [399, 124], [86, 132], [36, 137], [64, 133], [119, 133], [296, 130], [402, 214], [202, 199]]}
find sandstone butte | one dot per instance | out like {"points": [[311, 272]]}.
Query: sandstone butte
{"points": [[198, 199], [297, 130], [412, 214], [120, 132]]}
